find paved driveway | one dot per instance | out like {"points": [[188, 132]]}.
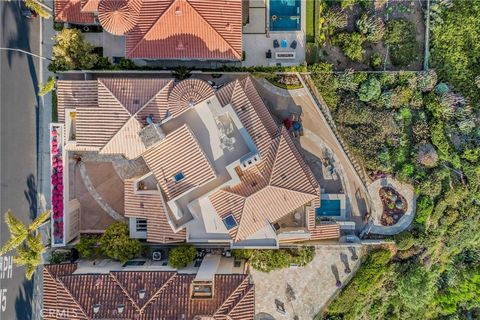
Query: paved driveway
{"points": [[304, 291]]}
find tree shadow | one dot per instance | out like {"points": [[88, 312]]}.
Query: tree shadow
{"points": [[32, 196], [353, 251], [335, 272], [23, 301], [344, 259]]}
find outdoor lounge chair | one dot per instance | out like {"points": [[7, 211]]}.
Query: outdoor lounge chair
{"points": [[284, 43], [293, 45], [276, 44]]}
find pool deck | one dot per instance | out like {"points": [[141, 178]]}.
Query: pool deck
{"points": [[257, 39]]}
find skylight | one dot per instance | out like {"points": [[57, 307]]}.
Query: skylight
{"points": [[179, 177], [230, 222]]}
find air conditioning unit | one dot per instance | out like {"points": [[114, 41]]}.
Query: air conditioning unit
{"points": [[156, 256], [250, 161]]}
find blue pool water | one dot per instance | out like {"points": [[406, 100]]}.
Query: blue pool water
{"points": [[285, 15], [328, 208]]}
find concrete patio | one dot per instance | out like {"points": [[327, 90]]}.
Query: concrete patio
{"points": [[318, 143], [309, 287]]}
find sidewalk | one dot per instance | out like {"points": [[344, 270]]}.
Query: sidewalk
{"points": [[43, 178]]}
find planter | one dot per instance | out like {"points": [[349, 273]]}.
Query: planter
{"points": [[56, 178]]}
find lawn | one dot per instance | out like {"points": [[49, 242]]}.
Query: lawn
{"points": [[310, 21]]}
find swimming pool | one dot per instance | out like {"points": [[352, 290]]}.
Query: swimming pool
{"points": [[285, 15], [328, 208]]}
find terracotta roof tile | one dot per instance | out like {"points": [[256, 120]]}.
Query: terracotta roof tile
{"points": [[188, 93], [178, 152], [90, 5], [167, 296], [71, 11], [117, 16], [183, 29], [150, 206]]}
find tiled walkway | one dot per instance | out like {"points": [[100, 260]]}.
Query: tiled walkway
{"points": [[311, 286]]}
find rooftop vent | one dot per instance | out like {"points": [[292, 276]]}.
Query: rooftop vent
{"points": [[250, 161], [120, 307], [228, 26], [178, 11], [142, 205], [96, 308], [141, 293]]}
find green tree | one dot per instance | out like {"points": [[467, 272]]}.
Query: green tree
{"points": [[117, 244], [72, 52], [181, 256], [242, 253], [369, 90], [87, 247], [36, 6], [351, 44], [19, 232], [44, 88]]}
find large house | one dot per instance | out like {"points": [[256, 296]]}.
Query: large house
{"points": [[164, 29], [71, 293], [220, 169]]}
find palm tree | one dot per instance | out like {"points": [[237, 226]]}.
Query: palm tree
{"points": [[29, 254], [19, 232], [38, 7]]}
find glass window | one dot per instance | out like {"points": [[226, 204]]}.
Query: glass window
{"points": [[230, 222]]}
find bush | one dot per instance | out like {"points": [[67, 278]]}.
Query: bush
{"points": [[87, 247], [268, 260], [369, 90], [371, 27], [351, 45], [376, 61], [404, 240], [242, 253], [400, 35], [117, 244], [181, 256]]}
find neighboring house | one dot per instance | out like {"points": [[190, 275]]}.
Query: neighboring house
{"points": [[167, 29], [70, 293], [220, 169]]}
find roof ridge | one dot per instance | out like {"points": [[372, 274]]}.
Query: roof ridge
{"points": [[157, 293], [59, 281], [111, 93], [152, 98], [196, 11], [246, 290], [231, 296], [239, 54], [119, 132], [114, 278]]}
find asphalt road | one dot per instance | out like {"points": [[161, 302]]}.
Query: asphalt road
{"points": [[18, 157]]}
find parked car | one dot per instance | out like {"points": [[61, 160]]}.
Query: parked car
{"points": [[27, 12]]}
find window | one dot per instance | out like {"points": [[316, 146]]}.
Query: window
{"points": [[230, 222], [179, 177], [141, 225]]}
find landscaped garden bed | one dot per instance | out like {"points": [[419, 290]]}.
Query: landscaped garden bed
{"points": [[56, 153], [368, 35], [285, 81], [394, 206]]}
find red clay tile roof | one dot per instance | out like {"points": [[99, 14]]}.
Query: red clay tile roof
{"points": [[151, 207], [117, 16], [179, 152], [188, 93], [90, 5], [194, 29], [268, 191], [71, 11], [110, 111], [167, 295]]}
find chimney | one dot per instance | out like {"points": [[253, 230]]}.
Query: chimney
{"points": [[96, 308], [141, 293]]}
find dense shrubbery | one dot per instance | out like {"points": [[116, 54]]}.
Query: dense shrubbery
{"points": [[117, 244], [426, 134], [351, 44], [456, 46], [400, 35], [268, 260], [181, 256]]}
